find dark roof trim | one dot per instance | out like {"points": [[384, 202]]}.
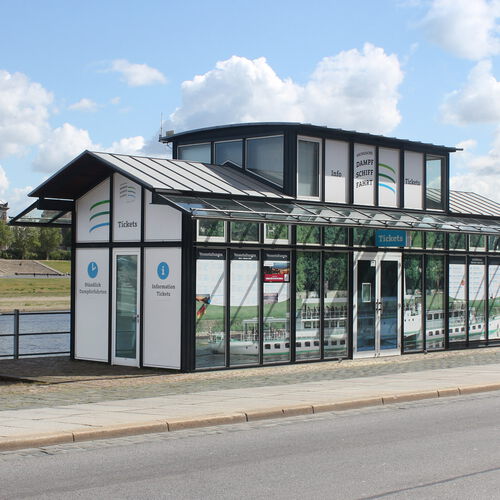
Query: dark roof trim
{"points": [[233, 131]]}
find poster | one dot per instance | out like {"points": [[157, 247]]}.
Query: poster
{"points": [[364, 174], [388, 177], [413, 179], [336, 171]]}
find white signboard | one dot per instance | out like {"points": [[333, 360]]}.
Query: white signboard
{"points": [[92, 214], [162, 307], [163, 223], [364, 174], [414, 178], [388, 177], [127, 201], [336, 171], [91, 303]]}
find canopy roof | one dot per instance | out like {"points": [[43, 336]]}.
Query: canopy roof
{"points": [[225, 192]]}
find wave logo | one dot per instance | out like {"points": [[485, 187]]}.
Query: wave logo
{"points": [[128, 192], [388, 175], [99, 215]]}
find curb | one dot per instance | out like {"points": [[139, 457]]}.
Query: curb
{"points": [[175, 424]]}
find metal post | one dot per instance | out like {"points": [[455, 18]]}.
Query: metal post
{"points": [[16, 333]]}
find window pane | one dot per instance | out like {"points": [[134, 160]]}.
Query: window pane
{"points": [[210, 309], [457, 241], [194, 152], [335, 308], [434, 172], [434, 240], [265, 158], [308, 168], [477, 299], [276, 233], [363, 237], [494, 243], [416, 239], [434, 314], [413, 313], [229, 151], [211, 230], [457, 302], [477, 242], [308, 235], [244, 311], [276, 305], [335, 235], [307, 306], [245, 231]]}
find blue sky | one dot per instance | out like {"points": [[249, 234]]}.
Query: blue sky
{"points": [[98, 75]]}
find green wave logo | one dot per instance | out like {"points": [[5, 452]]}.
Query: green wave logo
{"points": [[389, 173], [99, 212]]}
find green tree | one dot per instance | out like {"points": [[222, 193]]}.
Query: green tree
{"points": [[50, 240], [25, 241], [5, 235]]}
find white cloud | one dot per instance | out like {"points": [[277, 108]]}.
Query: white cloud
{"points": [[466, 28], [24, 113], [128, 145], [354, 89], [478, 101], [84, 104], [137, 75], [66, 142], [62, 145], [4, 182], [116, 100], [478, 173]]}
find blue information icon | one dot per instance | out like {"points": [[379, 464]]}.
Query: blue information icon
{"points": [[163, 270], [92, 269]]}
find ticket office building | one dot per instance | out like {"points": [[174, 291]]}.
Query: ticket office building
{"points": [[274, 243]]}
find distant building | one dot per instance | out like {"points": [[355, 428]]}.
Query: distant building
{"points": [[4, 206]]}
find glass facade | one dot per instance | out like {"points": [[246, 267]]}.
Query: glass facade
{"points": [[210, 305], [308, 306], [434, 169], [308, 159], [336, 302], [413, 306], [434, 301], [244, 295], [265, 158], [457, 300]]}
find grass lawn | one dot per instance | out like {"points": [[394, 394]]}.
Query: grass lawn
{"points": [[63, 266], [41, 287]]}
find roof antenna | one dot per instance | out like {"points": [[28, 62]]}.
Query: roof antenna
{"points": [[161, 124]]}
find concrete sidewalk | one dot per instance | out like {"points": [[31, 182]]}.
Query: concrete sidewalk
{"points": [[26, 428]]}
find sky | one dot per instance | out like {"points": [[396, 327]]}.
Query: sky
{"points": [[105, 75]]}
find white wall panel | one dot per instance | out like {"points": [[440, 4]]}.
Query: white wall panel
{"points": [[162, 307], [127, 201], [163, 223], [414, 179], [364, 174], [336, 171], [91, 303], [388, 177], [92, 214]]}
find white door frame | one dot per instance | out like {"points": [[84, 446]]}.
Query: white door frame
{"points": [[116, 360], [377, 258]]}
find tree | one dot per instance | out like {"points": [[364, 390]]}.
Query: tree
{"points": [[50, 240], [25, 241], [5, 235]]}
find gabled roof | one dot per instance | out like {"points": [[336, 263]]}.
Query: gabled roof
{"points": [[462, 202], [157, 174]]}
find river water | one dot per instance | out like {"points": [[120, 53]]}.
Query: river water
{"points": [[35, 323]]}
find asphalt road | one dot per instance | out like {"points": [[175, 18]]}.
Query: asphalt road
{"points": [[447, 448]]}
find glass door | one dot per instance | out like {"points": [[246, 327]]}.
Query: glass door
{"points": [[377, 304], [126, 307]]}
